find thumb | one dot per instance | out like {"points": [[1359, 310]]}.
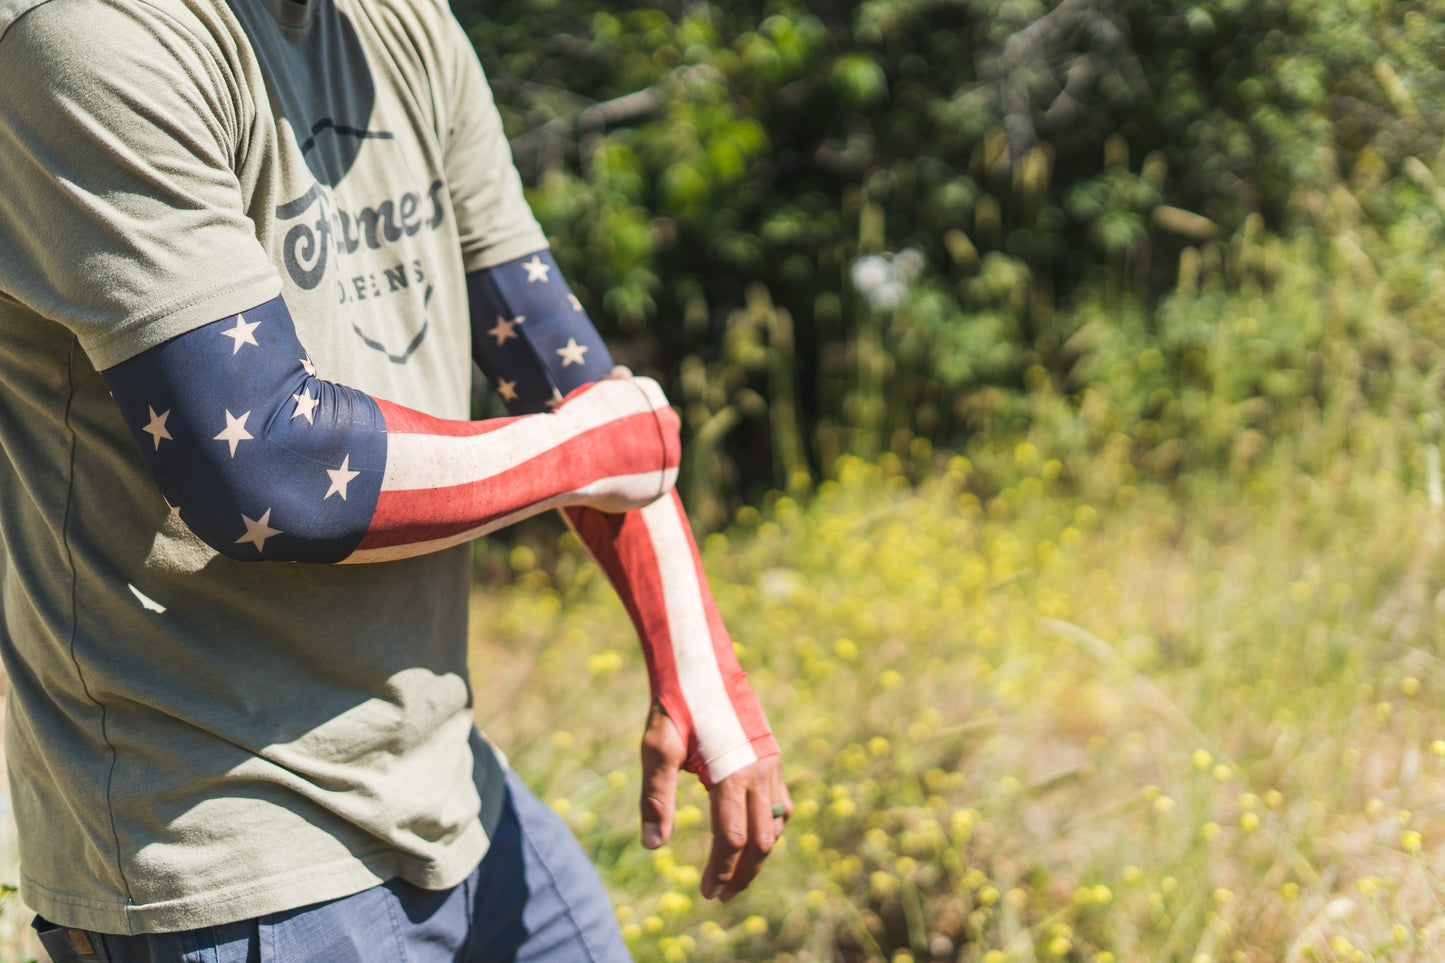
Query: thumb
{"points": [[662, 757]]}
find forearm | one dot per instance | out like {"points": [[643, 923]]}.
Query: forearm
{"points": [[652, 561], [266, 461], [534, 342]]}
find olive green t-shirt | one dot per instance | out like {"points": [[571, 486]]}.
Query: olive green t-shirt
{"points": [[193, 740]]}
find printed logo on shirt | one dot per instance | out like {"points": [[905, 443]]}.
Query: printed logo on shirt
{"points": [[361, 251], [310, 244]]}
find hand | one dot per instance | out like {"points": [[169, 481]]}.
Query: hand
{"points": [[743, 826]]}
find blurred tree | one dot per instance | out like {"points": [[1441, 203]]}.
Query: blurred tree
{"points": [[712, 173]]}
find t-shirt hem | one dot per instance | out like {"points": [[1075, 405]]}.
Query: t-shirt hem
{"points": [[479, 257], [260, 897], [130, 338]]}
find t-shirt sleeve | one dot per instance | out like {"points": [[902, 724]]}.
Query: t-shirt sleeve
{"points": [[121, 216], [493, 218]]}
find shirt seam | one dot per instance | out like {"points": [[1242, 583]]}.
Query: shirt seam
{"points": [[5, 28], [126, 329], [482, 255], [75, 619]]}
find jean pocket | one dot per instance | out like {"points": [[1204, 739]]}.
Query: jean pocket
{"points": [[66, 944]]}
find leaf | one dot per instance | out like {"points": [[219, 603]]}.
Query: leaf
{"points": [[859, 80]]}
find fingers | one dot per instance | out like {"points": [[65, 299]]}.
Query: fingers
{"points": [[744, 829], [728, 805], [762, 835], [779, 795], [662, 756]]}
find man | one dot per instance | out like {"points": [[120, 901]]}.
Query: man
{"points": [[248, 252]]}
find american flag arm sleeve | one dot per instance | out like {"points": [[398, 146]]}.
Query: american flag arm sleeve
{"points": [[534, 342], [264, 460]]}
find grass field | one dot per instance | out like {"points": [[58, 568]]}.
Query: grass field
{"points": [[1028, 716], [1186, 724]]}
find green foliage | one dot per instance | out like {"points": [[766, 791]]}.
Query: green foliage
{"points": [[1082, 181]]}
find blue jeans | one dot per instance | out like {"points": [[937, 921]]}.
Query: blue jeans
{"points": [[535, 897]]}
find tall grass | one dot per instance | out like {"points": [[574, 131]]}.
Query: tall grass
{"points": [[1032, 726]]}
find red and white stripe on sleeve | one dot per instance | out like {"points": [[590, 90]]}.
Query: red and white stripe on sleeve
{"points": [[447, 482], [534, 342], [652, 561]]}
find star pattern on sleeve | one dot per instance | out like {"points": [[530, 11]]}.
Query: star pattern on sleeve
{"points": [[242, 333], [536, 269], [557, 348], [237, 441], [572, 353], [305, 407], [157, 427], [505, 329], [235, 431], [258, 530], [340, 478], [308, 367]]}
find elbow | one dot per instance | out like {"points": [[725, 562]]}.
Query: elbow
{"points": [[276, 510], [235, 519]]}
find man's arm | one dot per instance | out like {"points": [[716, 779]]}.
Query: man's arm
{"points": [[265, 460], [535, 344]]}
